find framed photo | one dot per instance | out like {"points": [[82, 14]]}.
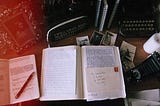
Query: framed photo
{"points": [[81, 41], [96, 38]]}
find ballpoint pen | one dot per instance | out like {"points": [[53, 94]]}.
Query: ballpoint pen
{"points": [[24, 85]]}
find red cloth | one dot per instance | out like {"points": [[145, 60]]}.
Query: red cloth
{"points": [[22, 24]]}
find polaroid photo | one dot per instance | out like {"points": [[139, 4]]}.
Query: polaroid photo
{"points": [[96, 38], [81, 41], [109, 38]]}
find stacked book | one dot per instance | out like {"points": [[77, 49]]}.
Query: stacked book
{"points": [[105, 12]]}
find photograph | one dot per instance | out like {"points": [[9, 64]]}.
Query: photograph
{"points": [[127, 52], [96, 38], [81, 41], [109, 38]]}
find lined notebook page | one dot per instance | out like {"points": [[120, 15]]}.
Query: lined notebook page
{"points": [[59, 73]]}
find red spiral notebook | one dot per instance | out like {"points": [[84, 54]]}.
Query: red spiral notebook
{"points": [[21, 24]]}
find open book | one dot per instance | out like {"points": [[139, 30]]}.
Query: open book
{"points": [[88, 72], [18, 80]]}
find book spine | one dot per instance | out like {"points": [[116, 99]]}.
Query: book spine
{"points": [[103, 18], [113, 13], [97, 12]]}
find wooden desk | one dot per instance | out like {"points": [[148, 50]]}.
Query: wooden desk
{"points": [[140, 56], [37, 50]]}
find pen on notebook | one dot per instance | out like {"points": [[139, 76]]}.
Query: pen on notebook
{"points": [[24, 85]]}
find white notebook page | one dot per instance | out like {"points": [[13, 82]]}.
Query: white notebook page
{"points": [[59, 73]]}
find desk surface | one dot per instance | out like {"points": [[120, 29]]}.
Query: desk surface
{"points": [[37, 50]]}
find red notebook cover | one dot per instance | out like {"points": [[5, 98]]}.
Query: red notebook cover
{"points": [[22, 24]]}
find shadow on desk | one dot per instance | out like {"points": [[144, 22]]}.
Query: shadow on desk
{"points": [[116, 102]]}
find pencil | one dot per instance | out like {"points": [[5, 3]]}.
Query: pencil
{"points": [[24, 85]]}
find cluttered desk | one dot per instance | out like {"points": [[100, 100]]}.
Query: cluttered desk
{"points": [[70, 35]]}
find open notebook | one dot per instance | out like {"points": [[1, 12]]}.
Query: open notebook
{"points": [[88, 72]]}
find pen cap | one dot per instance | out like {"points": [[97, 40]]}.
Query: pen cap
{"points": [[152, 44]]}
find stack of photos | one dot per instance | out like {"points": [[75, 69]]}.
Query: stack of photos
{"points": [[98, 38]]}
